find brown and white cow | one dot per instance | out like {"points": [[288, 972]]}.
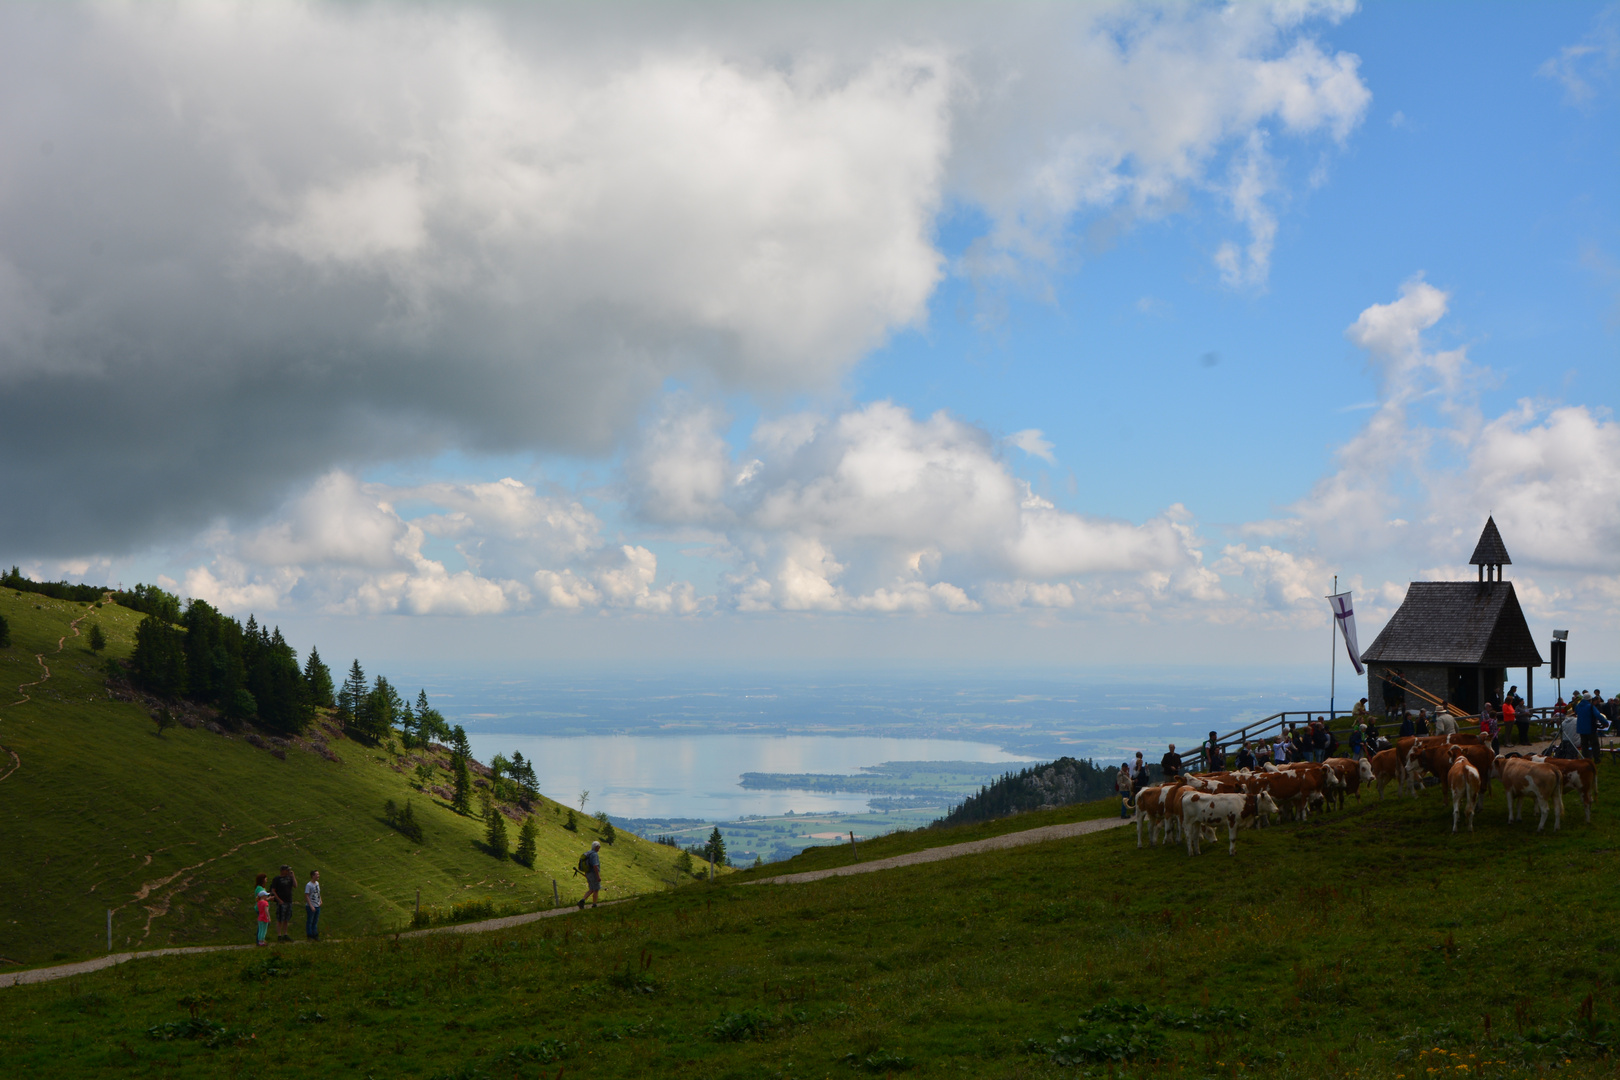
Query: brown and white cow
{"points": [[1462, 780], [1523, 778], [1436, 759], [1579, 775], [1352, 774], [1291, 790], [1201, 810], [1153, 810], [1387, 767]]}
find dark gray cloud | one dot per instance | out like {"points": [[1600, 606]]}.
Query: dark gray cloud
{"points": [[241, 246]]}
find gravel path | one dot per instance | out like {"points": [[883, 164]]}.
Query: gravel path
{"points": [[954, 851]]}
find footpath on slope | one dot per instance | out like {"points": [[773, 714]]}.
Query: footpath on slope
{"points": [[16, 762], [951, 851]]}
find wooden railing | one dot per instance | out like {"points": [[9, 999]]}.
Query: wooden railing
{"points": [[1340, 725]]}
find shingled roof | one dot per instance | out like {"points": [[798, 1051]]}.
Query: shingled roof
{"points": [[1458, 622], [1490, 551]]}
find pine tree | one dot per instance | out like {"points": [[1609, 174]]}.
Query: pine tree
{"points": [[526, 843], [459, 743], [458, 770], [5, 632], [98, 640], [716, 847], [430, 724], [318, 678], [495, 829], [351, 700]]}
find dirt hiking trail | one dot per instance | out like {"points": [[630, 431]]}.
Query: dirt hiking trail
{"points": [[927, 855]]}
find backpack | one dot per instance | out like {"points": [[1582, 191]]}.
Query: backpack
{"points": [[584, 865]]}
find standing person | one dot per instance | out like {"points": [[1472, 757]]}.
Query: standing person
{"points": [[1122, 788], [284, 886], [1319, 740], [1214, 756], [1245, 757], [1170, 763], [312, 906], [1420, 726], [1507, 717], [593, 875], [1586, 726], [261, 897], [1279, 750], [1139, 775], [1355, 740]]}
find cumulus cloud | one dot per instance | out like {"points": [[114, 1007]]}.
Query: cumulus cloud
{"points": [[875, 509], [1429, 466], [507, 227], [344, 547]]}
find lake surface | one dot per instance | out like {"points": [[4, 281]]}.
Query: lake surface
{"points": [[696, 776]]}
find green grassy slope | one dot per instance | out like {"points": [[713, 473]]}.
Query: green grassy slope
{"points": [[1369, 943], [169, 831]]}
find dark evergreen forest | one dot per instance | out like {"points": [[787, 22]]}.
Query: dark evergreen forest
{"points": [[1039, 787]]}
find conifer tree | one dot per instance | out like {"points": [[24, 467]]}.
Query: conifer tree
{"points": [[495, 828], [463, 792], [526, 846], [716, 847], [352, 699], [318, 678], [5, 632], [98, 640], [430, 724]]}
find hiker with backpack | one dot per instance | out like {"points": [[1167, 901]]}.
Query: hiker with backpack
{"points": [[590, 864]]}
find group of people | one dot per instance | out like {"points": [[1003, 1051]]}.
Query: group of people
{"points": [[1583, 720], [280, 891]]}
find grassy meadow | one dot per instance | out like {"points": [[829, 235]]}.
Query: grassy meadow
{"points": [[168, 830], [1368, 943]]}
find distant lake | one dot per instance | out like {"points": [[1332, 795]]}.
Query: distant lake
{"points": [[674, 743], [696, 776]]}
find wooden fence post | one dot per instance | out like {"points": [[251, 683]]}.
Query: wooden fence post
{"points": [[852, 846]]}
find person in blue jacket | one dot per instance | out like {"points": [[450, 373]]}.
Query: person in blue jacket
{"points": [[1586, 726]]}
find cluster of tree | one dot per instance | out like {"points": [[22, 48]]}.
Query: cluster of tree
{"points": [[403, 819], [513, 779], [247, 672], [495, 835], [714, 847], [56, 590], [370, 712], [147, 599], [150, 600], [5, 632], [1040, 787]]}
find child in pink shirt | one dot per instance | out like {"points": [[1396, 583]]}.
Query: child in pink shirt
{"points": [[262, 894]]}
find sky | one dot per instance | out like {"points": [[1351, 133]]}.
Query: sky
{"points": [[944, 334]]}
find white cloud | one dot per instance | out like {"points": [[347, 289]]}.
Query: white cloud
{"points": [[1592, 61], [1031, 442], [1420, 478], [349, 234]]}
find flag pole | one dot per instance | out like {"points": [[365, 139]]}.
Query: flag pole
{"points": [[1333, 656]]}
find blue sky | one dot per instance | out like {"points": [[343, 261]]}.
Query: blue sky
{"points": [[760, 358]]}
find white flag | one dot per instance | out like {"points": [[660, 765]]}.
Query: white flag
{"points": [[1346, 615]]}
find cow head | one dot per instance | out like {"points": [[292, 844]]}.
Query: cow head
{"points": [[1366, 771], [1264, 805]]}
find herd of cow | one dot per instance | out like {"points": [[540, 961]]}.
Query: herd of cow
{"points": [[1193, 807]]}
